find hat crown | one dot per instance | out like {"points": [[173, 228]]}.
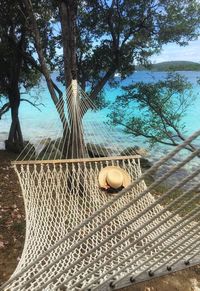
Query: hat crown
{"points": [[114, 178]]}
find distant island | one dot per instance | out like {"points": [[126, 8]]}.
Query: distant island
{"points": [[172, 66]]}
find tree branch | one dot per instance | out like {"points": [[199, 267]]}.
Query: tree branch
{"points": [[146, 135], [33, 62], [4, 109], [33, 104], [102, 82], [166, 122], [39, 49]]}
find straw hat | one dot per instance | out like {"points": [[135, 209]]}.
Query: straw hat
{"points": [[113, 177]]}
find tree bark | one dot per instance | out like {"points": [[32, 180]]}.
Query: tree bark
{"points": [[68, 14], [15, 138], [74, 144]]}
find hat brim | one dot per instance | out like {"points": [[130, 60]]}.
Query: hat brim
{"points": [[103, 175]]}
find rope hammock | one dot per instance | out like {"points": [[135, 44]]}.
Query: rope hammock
{"points": [[80, 237]]}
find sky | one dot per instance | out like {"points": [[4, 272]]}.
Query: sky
{"points": [[173, 52]]}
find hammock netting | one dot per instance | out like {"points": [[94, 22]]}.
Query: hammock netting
{"points": [[78, 236]]}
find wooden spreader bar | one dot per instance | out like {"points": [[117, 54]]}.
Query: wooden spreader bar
{"points": [[84, 160]]}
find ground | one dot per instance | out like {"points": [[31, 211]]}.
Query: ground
{"points": [[12, 223], [12, 233]]}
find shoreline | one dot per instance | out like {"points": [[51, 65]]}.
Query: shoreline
{"points": [[34, 125], [155, 155]]}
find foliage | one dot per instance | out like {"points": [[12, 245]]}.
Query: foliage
{"points": [[118, 35], [173, 66], [111, 36], [13, 23], [114, 35], [14, 44], [154, 110]]}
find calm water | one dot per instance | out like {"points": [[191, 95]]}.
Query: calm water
{"points": [[44, 123]]}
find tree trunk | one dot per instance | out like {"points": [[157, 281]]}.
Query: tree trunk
{"points": [[44, 68], [68, 14], [74, 144], [15, 138]]}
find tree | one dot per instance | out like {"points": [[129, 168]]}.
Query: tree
{"points": [[67, 9], [14, 70], [160, 109], [116, 35], [19, 69], [68, 16], [102, 37]]}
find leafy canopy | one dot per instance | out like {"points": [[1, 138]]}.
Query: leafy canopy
{"points": [[154, 110], [116, 35]]}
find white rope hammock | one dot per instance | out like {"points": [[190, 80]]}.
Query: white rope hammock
{"points": [[79, 237]]}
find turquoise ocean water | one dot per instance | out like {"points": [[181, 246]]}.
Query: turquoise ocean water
{"points": [[44, 123]]}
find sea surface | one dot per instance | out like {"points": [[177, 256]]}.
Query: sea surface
{"points": [[37, 124]]}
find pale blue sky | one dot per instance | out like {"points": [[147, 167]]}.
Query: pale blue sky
{"points": [[174, 52]]}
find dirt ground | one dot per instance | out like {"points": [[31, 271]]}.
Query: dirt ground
{"points": [[12, 233]]}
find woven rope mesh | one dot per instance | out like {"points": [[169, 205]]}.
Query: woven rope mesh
{"points": [[59, 197], [80, 237]]}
